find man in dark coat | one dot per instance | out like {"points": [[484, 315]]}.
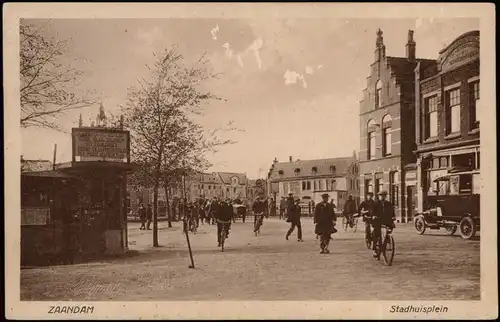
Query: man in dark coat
{"points": [[349, 210], [384, 215], [294, 219], [149, 216], [223, 216], [215, 208], [259, 209], [142, 216], [282, 207], [366, 209], [325, 218]]}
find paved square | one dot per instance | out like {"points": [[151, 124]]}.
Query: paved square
{"points": [[434, 266]]}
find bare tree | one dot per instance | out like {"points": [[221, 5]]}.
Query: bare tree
{"points": [[46, 80], [166, 141]]}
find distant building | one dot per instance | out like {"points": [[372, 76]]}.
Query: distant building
{"points": [[309, 179], [447, 115], [387, 128]]}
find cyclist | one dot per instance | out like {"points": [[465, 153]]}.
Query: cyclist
{"points": [[383, 215], [349, 210], [223, 217], [259, 208], [366, 210]]}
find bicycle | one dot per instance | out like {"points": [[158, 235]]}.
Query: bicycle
{"points": [[258, 223], [350, 221], [386, 245], [223, 232]]}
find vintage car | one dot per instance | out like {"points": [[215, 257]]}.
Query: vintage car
{"points": [[454, 204]]}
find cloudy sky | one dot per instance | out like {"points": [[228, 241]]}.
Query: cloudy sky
{"points": [[291, 86]]}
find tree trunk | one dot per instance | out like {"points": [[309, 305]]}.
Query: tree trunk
{"points": [[155, 214], [169, 215]]}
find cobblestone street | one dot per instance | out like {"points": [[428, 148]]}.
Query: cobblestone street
{"points": [[429, 267]]}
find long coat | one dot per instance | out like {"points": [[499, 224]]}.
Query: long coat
{"points": [[324, 216], [294, 214]]}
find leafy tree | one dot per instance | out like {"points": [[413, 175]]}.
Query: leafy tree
{"points": [[166, 141], [46, 80]]}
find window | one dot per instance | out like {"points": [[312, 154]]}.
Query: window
{"points": [[370, 130], [453, 111], [474, 105], [368, 186], [386, 135], [443, 162], [393, 189], [303, 185], [296, 171], [465, 183], [378, 94], [328, 185], [334, 185], [281, 172], [315, 185], [379, 185], [314, 170], [308, 185], [371, 145], [430, 117], [322, 184]]}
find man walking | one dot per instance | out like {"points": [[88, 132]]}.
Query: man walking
{"points": [[325, 220], [149, 216], [142, 216], [294, 219], [282, 207]]}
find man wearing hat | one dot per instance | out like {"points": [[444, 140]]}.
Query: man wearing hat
{"points": [[384, 215], [259, 208], [366, 210], [223, 218], [325, 220], [294, 219]]}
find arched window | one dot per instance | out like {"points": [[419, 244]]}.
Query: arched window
{"points": [[371, 127], [314, 170], [386, 135], [332, 168], [297, 171], [378, 94], [281, 172]]}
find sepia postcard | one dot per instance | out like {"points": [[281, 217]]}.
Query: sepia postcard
{"points": [[250, 161]]}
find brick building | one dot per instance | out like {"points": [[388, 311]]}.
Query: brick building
{"points": [[387, 128], [447, 113]]}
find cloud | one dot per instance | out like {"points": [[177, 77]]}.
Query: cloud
{"points": [[229, 51], [255, 47], [214, 32], [309, 70], [240, 61], [292, 77]]}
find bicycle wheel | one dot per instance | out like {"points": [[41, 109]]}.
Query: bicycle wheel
{"points": [[389, 248], [345, 223]]}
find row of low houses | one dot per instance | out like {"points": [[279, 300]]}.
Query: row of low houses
{"points": [[199, 185], [309, 179], [418, 118]]}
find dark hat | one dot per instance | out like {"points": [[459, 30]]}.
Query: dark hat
{"points": [[290, 193], [383, 193], [325, 195], [369, 194]]}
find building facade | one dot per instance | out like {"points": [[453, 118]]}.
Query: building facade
{"points": [[387, 128], [309, 179], [447, 114]]}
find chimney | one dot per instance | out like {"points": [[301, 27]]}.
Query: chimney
{"points": [[275, 160], [410, 47], [291, 159]]}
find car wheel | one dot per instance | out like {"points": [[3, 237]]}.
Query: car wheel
{"points": [[452, 230], [420, 225], [467, 228]]}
